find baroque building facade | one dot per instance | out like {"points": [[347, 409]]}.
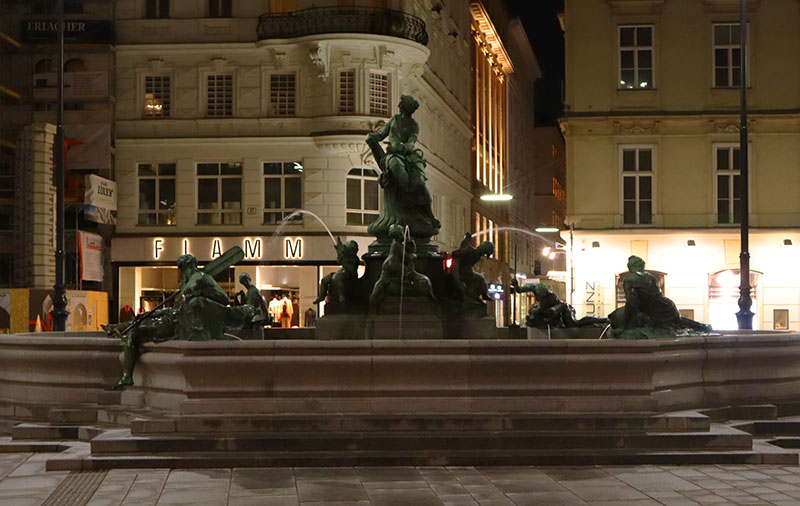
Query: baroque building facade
{"points": [[652, 140], [233, 115]]}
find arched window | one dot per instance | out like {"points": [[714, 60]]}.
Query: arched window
{"points": [[723, 299], [44, 65], [75, 65]]}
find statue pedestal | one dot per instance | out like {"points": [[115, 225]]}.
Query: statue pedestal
{"points": [[471, 327], [572, 333], [418, 320], [340, 326]]}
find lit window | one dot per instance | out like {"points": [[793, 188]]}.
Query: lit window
{"points": [[219, 95], [727, 55], [637, 185], [362, 196], [156, 193], [347, 91], [282, 94], [219, 193], [635, 57], [727, 171], [378, 93], [156, 96], [283, 191]]}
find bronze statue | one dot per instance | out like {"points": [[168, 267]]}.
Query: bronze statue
{"points": [[252, 296], [473, 285], [551, 312], [337, 287], [398, 271], [647, 313], [407, 201], [201, 312]]}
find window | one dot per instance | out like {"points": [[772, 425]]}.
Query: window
{"points": [[156, 194], [156, 9], [362, 196], [780, 319], [637, 185], [727, 55], [635, 57], [219, 95], [729, 194], [219, 193], [282, 190], [282, 94], [378, 93], [219, 9], [156, 96], [347, 91]]}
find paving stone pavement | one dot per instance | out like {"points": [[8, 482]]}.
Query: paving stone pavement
{"points": [[24, 482]]}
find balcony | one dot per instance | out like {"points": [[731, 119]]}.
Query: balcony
{"points": [[319, 20]]}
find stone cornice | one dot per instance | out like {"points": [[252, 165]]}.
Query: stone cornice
{"points": [[633, 7], [729, 6]]}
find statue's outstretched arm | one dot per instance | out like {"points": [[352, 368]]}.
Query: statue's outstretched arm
{"points": [[385, 132]]}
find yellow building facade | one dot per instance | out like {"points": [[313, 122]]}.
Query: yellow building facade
{"points": [[652, 140]]}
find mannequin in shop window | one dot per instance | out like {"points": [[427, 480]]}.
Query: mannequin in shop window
{"points": [[275, 308], [287, 310]]}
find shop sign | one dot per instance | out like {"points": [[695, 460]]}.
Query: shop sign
{"points": [[255, 248], [75, 30], [100, 192]]}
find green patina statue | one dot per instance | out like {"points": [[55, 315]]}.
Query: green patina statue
{"points": [[252, 296], [407, 201], [551, 312], [201, 312], [340, 289], [647, 314], [398, 272], [469, 285]]}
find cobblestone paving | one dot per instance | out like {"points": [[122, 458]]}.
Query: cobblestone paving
{"points": [[24, 482]]}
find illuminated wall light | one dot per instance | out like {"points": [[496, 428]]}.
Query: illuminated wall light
{"points": [[787, 242], [595, 244], [690, 242]]}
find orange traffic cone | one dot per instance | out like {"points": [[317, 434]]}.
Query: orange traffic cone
{"points": [[38, 327]]}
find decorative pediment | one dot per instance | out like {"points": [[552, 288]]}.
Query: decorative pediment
{"points": [[633, 7], [636, 127]]}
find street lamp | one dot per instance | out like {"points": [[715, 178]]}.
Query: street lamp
{"points": [[745, 315]]}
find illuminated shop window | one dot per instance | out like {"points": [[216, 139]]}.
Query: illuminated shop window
{"points": [[723, 299]]}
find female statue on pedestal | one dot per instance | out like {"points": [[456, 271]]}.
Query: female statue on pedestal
{"points": [[406, 198]]}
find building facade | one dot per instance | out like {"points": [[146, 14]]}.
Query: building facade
{"points": [[652, 140]]}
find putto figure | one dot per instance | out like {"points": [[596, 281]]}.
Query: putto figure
{"points": [[200, 314], [398, 273], [550, 311], [472, 285], [251, 296], [340, 289], [647, 313], [407, 201]]}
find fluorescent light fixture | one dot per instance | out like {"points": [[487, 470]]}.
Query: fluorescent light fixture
{"points": [[496, 197], [544, 230]]}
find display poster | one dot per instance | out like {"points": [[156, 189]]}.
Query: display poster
{"points": [[91, 256]]}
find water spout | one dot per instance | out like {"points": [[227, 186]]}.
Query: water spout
{"points": [[279, 231], [514, 229]]}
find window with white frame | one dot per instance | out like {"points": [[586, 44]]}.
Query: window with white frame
{"points": [[283, 191], [157, 96], [727, 171], [219, 95], [219, 8], [378, 93], [347, 91], [156, 193], [362, 196], [636, 163], [636, 57], [282, 93], [219, 193], [154, 9], [727, 55]]}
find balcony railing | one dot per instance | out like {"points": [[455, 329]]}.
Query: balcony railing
{"points": [[320, 20]]}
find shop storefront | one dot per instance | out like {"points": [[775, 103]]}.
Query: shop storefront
{"points": [[286, 269]]}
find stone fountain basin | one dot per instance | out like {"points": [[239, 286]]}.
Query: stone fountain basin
{"points": [[414, 376]]}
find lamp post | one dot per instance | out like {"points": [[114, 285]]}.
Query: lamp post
{"points": [[745, 315], [60, 312]]}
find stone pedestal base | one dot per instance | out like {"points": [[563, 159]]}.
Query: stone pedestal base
{"points": [[574, 333], [409, 326], [340, 326], [471, 328]]}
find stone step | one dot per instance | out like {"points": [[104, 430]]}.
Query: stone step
{"points": [[122, 442], [787, 442], [31, 431], [746, 412], [422, 458], [203, 424], [64, 416], [31, 447], [789, 426]]}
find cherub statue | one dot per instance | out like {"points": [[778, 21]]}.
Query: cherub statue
{"points": [[338, 286], [398, 271], [252, 296], [475, 289]]}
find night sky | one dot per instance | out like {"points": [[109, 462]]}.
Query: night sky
{"points": [[541, 23]]}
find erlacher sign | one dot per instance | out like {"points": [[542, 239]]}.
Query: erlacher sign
{"points": [[75, 30]]}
